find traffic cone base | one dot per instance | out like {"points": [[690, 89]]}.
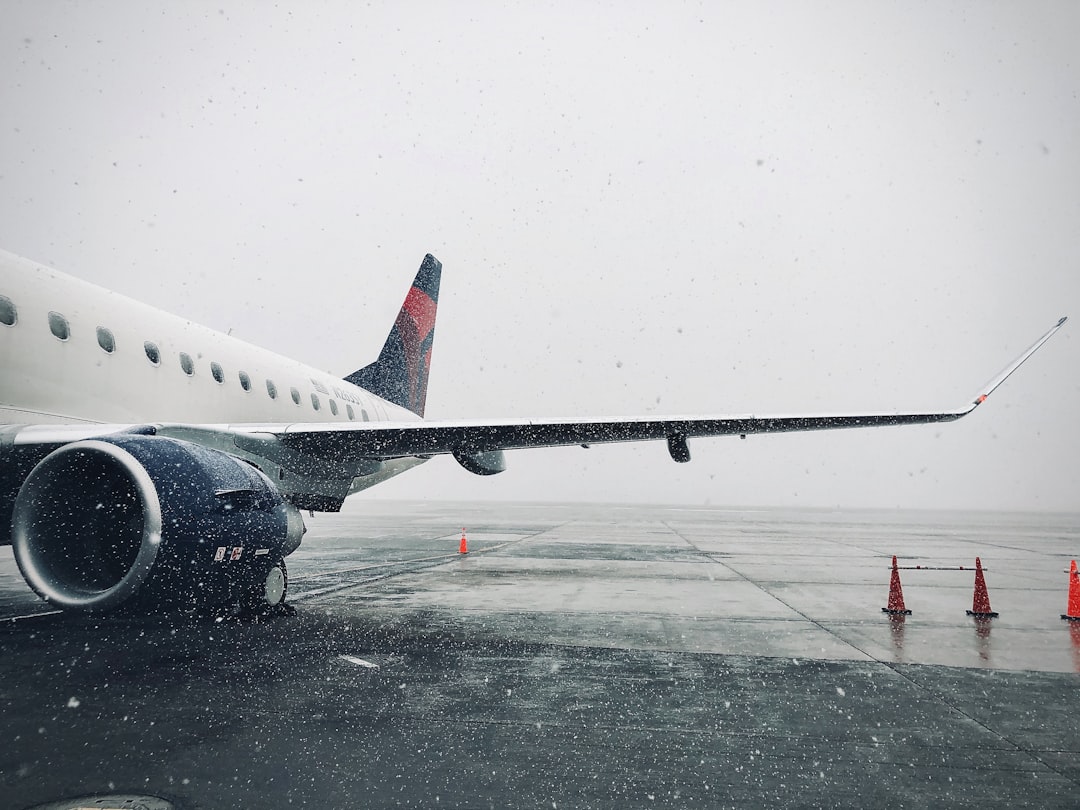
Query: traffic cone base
{"points": [[1073, 611], [980, 602], [896, 594]]}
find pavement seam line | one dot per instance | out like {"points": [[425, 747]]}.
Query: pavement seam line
{"points": [[1016, 746], [892, 667], [760, 587], [433, 562]]}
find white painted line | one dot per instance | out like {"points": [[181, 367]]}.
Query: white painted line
{"points": [[32, 615], [359, 661]]}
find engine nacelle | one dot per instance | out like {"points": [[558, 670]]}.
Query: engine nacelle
{"points": [[162, 522]]}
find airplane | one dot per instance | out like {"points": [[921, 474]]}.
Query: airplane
{"points": [[148, 463]]}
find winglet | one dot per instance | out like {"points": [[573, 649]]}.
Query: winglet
{"points": [[988, 389]]}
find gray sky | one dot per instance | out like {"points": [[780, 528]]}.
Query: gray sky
{"points": [[640, 208]]}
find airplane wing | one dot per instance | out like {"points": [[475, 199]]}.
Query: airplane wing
{"points": [[391, 440]]}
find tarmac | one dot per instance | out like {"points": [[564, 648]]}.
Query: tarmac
{"points": [[578, 656]]}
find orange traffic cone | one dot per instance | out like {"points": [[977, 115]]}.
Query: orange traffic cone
{"points": [[896, 594], [980, 603], [463, 548], [1074, 595]]}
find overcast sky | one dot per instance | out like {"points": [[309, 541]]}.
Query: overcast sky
{"points": [[640, 208]]}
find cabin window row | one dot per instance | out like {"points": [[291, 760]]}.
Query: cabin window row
{"points": [[61, 330]]}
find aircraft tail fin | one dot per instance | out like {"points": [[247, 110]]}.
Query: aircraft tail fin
{"points": [[400, 375]]}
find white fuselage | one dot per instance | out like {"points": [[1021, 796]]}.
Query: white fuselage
{"points": [[200, 376]]}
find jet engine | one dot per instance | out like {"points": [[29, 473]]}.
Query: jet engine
{"points": [[152, 522]]}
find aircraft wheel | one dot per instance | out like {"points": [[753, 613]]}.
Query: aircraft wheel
{"points": [[275, 585], [270, 593]]}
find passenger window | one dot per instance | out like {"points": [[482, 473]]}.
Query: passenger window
{"points": [[216, 370], [271, 389], [350, 412], [295, 396], [8, 314], [187, 364], [363, 415], [58, 325], [106, 340], [245, 381], [315, 402], [153, 354], [333, 407]]}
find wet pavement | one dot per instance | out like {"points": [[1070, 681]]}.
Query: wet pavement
{"points": [[578, 656]]}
